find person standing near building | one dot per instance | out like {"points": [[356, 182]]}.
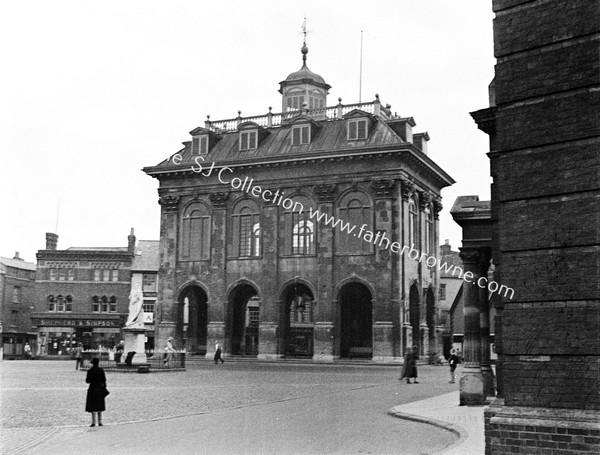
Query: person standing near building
{"points": [[409, 370], [454, 360], [96, 393], [218, 353], [27, 351], [78, 356], [169, 350]]}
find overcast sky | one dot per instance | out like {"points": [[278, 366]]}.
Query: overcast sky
{"points": [[93, 91]]}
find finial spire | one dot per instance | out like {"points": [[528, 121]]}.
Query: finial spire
{"points": [[304, 48]]}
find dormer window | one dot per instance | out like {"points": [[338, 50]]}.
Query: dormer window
{"points": [[357, 129], [300, 134], [200, 145], [248, 140]]}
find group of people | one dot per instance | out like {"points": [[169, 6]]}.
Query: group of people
{"points": [[409, 368]]}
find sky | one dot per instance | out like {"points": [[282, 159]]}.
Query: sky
{"points": [[92, 92]]}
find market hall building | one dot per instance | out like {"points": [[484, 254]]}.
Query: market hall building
{"points": [[244, 259]]}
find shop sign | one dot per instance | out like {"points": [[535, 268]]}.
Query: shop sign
{"points": [[76, 322]]}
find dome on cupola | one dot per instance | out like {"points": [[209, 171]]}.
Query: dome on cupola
{"points": [[304, 89]]}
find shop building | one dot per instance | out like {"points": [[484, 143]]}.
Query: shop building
{"points": [[144, 275], [17, 296], [246, 261], [81, 295]]}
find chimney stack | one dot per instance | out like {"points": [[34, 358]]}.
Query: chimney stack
{"points": [[131, 242], [51, 241], [17, 256]]}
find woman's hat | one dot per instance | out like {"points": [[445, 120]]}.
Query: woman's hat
{"points": [[169, 339]]}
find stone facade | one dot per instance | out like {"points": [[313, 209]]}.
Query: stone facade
{"points": [[244, 262], [544, 126]]}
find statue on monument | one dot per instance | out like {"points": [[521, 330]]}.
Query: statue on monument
{"points": [[136, 311]]}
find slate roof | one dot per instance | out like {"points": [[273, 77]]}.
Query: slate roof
{"points": [[18, 264], [146, 256]]}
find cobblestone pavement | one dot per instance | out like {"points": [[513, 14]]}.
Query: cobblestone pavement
{"points": [[44, 401]]}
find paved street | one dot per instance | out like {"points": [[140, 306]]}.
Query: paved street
{"points": [[235, 408]]}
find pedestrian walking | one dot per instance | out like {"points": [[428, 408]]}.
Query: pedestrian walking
{"points": [[78, 356], [409, 369], [169, 350], [454, 360], [218, 352], [96, 393], [27, 351], [119, 351]]}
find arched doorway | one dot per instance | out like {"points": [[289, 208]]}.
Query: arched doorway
{"points": [[192, 319], [298, 322], [415, 315], [244, 311], [356, 321]]}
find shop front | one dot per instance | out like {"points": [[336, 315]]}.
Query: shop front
{"points": [[58, 335]]}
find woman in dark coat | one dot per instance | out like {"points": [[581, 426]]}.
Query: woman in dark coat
{"points": [[96, 393], [409, 369]]}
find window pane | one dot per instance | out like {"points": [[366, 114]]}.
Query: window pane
{"points": [[362, 129], [106, 275], [305, 135], [296, 136], [351, 130], [204, 145], [195, 145]]}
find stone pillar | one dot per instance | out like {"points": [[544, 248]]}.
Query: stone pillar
{"points": [[167, 299], [383, 341], [471, 382], [267, 334], [323, 342], [324, 314], [489, 386]]}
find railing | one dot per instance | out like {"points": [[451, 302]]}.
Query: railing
{"points": [[155, 360], [274, 120]]}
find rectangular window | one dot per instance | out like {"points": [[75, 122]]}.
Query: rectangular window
{"points": [[51, 306], [71, 274], [106, 275], [300, 135], [357, 130], [200, 145], [248, 140], [96, 307], [53, 274], [115, 275], [149, 283], [148, 306], [104, 306], [97, 273], [113, 307], [16, 294], [442, 292], [60, 305], [195, 146], [69, 306], [62, 274]]}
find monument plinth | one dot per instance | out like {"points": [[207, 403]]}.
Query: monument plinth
{"points": [[134, 333]]}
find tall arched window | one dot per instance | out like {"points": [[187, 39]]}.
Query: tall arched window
{"points": [[300, 235], [245, 233], [356, 210], [195, 233], [429, 233], [413, 226]]}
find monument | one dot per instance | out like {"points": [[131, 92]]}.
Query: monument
{"points": [[134, 333]]}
